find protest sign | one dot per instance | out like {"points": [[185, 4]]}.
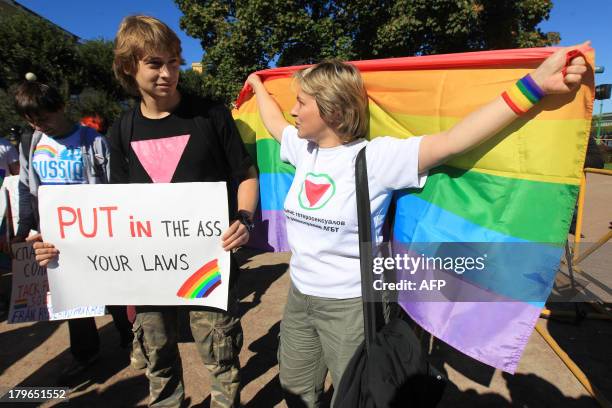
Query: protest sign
{"points": [[137, 244], [30, 298]]}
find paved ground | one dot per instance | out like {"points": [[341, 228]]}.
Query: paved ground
{"points": [[32, 354]]}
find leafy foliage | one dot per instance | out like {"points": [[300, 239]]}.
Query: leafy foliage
{"points": [[31, 44], [240, 37], [192, 82], [8, 116], [81, 71], [95, 68]]}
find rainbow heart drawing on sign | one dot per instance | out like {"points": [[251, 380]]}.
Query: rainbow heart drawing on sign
{"points": [[202, 282], [316, 191]]}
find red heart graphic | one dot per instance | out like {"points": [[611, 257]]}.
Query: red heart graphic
{"points": [[315, 191]]}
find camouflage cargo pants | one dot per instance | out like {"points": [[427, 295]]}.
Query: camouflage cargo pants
{"points": [[218, 339]]}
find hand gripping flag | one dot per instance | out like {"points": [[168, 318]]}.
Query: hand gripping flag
{"points": [[518, 187]]}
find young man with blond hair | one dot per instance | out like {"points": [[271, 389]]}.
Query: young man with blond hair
{"points": [[174, 137]]}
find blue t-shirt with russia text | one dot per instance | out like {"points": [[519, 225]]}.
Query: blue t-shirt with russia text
{"points": [[59, 160]]}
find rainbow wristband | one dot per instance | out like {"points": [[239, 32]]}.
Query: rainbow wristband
{"points": [[523, 95]]}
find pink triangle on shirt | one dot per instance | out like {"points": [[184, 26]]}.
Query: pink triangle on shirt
{"points": [[160, 157]]}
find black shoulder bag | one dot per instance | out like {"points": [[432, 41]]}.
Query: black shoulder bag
{"points": [[389, 369]]}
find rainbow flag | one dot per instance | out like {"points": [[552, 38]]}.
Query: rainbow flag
{"points": [[519, 187], [202, 282]]}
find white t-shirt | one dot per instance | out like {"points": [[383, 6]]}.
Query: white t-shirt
{"points": [[321, 208], [59, 161], [8, 155]]}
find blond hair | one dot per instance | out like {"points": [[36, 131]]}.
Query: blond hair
{"points": [[340, 95], [137, 37]]}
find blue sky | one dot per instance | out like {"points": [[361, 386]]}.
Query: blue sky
{"points": [[577, 21], [100, 19]]}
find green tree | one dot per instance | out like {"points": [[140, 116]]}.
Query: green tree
{"points": [[95, 68], [8, 116], [96, 91], [93, 101], [31, 44], [240, 37], [81, 70], [192, 82]]}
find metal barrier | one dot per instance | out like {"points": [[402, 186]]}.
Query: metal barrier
{"points": [[577, 257], [574, 257]]}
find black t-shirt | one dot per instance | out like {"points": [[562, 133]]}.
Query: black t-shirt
{"points": [[203, 131], [199, 141]]}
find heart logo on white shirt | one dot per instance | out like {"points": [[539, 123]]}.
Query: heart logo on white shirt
{"points": [[316, 191]]}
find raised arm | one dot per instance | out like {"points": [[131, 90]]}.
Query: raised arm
{"points": [[480, 125], [269, 111]]}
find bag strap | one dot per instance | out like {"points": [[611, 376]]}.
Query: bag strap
{"points": [[372, 306], [25, 142], [126, 127]]}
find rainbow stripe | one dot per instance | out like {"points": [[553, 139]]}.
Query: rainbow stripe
{"points": [[20, 304], [202, 282], [520, 186], [523, 95], [45, 150]]}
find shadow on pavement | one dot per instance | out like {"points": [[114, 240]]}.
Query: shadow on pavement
{"points": [[124, 393], [113, 359], [529, 390], [526, 390], [19, 342], [264, 358], [473, 369], [256, 281], [269, 396], [586, 342]]}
